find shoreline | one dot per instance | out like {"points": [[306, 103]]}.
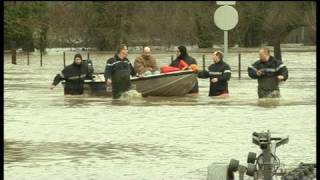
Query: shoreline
{"points": [[156, 50]]}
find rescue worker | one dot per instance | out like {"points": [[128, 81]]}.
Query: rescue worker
{"points": [[145, 64], [184, 61], [74, 76], [219, 73], [117, 72], [269, 72]]}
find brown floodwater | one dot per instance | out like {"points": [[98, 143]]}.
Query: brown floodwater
{"points": [[50, 136]]}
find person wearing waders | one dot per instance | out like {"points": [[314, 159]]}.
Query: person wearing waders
{"points": [[219, 73], [182, 56], [117, 72], [269, 72], [74, 76]]}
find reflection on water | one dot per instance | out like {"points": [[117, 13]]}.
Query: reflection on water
{"points": [[135, 99], [52, 136], [22, 151], [269, 102]]}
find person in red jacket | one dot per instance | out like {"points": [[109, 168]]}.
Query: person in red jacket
{"points": [[184, 61]]}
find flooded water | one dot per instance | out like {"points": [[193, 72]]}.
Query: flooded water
{"points": [[50, 136]]}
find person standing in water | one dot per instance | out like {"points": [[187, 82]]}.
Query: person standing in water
{"points": [[269, 72], [117, 72], [219, 73], [74, 76]]}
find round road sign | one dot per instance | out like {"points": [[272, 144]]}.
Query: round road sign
{"points": [[226, 17]]}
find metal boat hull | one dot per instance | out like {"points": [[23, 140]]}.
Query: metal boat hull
{"points": [[169, 84]]}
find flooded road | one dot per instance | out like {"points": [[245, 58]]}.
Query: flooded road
{"points": [[50, 136]]}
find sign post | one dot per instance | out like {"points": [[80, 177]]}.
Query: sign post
{"points": [[226, 18], [225, 42], [226, 2]]}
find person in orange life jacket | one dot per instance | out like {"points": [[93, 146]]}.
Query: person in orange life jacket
{"points": [[184, 61], [74, 76], [219, 73]]}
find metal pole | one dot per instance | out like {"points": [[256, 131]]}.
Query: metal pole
{"points": [[88, 55], [41, 58], [203, 62], [14, 56], [241, 171], [239, 66], [13, 53], [64, 59], [302, 35], [266, 157], [171, 58], [28, 58], [225, 45], [267, 166]]}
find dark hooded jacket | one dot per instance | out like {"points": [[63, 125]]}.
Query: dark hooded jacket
{"points": [[74, 76], [189, 60], [183, 56]]}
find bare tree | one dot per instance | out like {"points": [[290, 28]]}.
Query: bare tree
{"points": [[106, 25], [280, 19]]}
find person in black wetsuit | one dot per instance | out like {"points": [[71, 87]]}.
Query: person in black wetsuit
{"points": [[74, 76], [117, 72], [182, 55], [269, 72], [219, 73]]}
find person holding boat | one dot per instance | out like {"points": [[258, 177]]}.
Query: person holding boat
{"points": [[117, 72], [74, 76], [184, 61], [269, 72], [219, 73], [145, 64]]}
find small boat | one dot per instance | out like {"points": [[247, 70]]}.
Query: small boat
{"points": [[169, 84], [177, 83]]}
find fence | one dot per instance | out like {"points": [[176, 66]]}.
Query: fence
{"points": [[14, 60]]}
